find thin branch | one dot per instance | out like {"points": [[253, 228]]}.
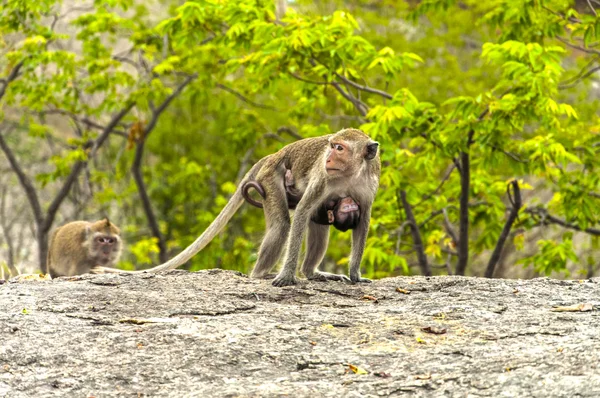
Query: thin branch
{"points": [[14, 73], [449, 228], [365, 88], [575, 46], [435, 192], [570, 19], [547, 218], [24, 180], [592, 8], [399, 233], [514, 212], [576, 77], [509, 154], [245, 99], [360, 106], [438, 212], [109, 129], [290, 132], [87, 121], [416, 235], [302, 79], [580, 78]]}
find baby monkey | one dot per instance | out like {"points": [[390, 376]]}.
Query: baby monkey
{"points": [[82, 247], [342, 213]]}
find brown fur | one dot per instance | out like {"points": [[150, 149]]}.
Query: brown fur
{"points": [[75, 248]]}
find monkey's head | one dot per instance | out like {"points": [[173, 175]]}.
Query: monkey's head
{"points": [[104, 242], [348, 152], [346, 214]]}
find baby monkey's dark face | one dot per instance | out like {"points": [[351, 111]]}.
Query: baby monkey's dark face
{"points": [[342, 213], [346, 214]]}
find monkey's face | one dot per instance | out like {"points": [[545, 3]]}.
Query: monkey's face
{"points": [[346, 157], [338, 158], [105, 248]]}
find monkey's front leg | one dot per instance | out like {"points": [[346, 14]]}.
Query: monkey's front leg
{"points": [[359, 241], [287, 275]]}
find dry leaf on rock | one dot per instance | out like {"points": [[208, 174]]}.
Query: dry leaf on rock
{"points": [[583, 307], [357, 370]]}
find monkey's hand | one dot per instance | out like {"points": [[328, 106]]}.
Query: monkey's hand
{"points": [[284, 280], [326, 276]]}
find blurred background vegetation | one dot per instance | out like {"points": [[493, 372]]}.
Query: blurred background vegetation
{"points": [[151, 112]]}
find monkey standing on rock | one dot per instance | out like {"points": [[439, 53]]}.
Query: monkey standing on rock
{"points": [[341, 165], [82, 247]]}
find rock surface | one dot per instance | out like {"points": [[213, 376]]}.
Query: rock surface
{"points": [[219, 333]]}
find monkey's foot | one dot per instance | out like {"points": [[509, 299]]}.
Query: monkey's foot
{"points": [[284, 280], [97, 270], [326, 276], [264, 276], [358, 279]]}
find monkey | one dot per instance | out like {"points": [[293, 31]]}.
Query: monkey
{"points": [[82, 247], [343, 164], [342, 213]]}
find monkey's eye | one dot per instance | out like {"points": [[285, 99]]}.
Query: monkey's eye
{"points": [[338, 147]]}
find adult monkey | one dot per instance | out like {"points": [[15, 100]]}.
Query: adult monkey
{"points": [[82, 247], [342, 213], [344, 164]]}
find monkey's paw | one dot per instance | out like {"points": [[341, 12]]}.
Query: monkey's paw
{"points": [[326, 276], [358, 279], [284, 280]]}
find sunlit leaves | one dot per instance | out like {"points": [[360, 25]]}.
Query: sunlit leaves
{"points": [[552, 255]]}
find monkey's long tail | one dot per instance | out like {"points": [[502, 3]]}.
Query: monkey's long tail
{"points": [[214, 228]]}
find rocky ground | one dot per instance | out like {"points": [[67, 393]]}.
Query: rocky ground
{"points": [[219, 333]]}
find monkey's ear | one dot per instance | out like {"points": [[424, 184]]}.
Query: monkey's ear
{"points": [[371, 151]]}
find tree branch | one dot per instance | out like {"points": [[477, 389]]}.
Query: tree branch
{"points": [[360, 106], [592, 8], [465, 187], [25, 182], [575, 46], [245, 99], [416, 235], [435, 192], [547, 218], [579, 78], [365, 88], [14, 73], [514, 212], [137, 166]]}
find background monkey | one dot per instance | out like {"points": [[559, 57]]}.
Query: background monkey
{"points": [[342, 213], [82, 247], [340, 165]]}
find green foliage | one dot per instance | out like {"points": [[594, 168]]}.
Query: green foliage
{"points": [[428, 81], [552, 255]]}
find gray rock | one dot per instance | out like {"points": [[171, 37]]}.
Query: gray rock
{"points": [[218, 333]]}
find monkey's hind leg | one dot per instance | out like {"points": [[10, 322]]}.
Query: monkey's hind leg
{"points": [[316, 246], [277, 219]]}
